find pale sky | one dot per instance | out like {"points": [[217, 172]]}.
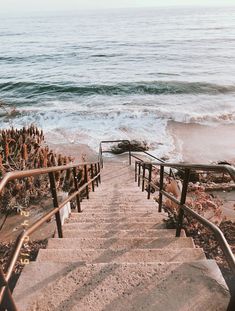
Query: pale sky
{"points": [[18, 5]]}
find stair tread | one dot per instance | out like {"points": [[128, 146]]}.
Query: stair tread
{"points": [[117, 233], [118, 226], [119, 212], [138, 286], [115, 220], [113, 209], [121, 256], [121, 243]]}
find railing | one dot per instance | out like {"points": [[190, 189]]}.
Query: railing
{"points": [[101, 151], [181, 203], [6, 300], [186, 169], [183, 208], [130, 153]]}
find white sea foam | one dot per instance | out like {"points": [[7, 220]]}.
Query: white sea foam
{"points": [[143, 120]]}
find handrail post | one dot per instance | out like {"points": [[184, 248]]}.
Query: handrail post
{"points": [[86, 180], [101, 156], [55, 203], [149, 180], [7, 299], [182, 202], [129, 153], [99, 178], [76, 188], [143, 180], [161, 188], [139, 169], [92, 176], [96, 172], [135, 171]]}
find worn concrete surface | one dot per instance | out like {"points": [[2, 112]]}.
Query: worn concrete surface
{"points": [[116, 255], [196, 286]]}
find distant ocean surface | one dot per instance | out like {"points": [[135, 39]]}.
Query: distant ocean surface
{"points": [[117, 74]]}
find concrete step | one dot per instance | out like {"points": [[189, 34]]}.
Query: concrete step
{"points": [[116, 219], [117, 226], [105, 209], [106, 214], [120, 206], [143, 203], [112, 193], [119, 243], [119, 199], [135, 191], [121, 233], [132, 188], [157, 286], [121, 256], [122, 203]]}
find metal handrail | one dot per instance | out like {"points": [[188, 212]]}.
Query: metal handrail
{"points": [[131, 155], [206, 167], [39, 171], [109, 151], [152, 156], [5, 292], [181, 203]]}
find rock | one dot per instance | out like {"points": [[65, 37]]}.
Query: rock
{"points": [[134, 146]]}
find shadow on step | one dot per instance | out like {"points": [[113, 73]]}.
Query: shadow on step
{"points": [[186, 286]]}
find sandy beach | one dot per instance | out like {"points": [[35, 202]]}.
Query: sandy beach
{"points": [[203, 144], [79, 152], [193, 143]]}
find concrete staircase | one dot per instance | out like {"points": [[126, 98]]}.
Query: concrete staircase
{"points": [[117, 255]]}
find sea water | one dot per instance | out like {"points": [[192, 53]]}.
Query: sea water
{"points": [[87, 76]]}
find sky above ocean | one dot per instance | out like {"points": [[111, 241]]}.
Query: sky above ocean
{"points": [[53, 5]]}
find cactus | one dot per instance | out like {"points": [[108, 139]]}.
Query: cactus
{"points": [[25, 149]]}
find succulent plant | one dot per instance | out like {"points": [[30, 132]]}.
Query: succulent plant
{"points": [[22, 149]]}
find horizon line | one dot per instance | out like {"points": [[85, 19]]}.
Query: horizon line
{"points": [[25, 10]]}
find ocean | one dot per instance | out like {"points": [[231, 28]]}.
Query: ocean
{"points": [[119, 74]]}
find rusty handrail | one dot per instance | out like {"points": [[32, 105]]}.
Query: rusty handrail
{"points": [[131, 155], [202, 167], [109, 151], [5, 291], [41, 221], [39, 171], [181, 203]]}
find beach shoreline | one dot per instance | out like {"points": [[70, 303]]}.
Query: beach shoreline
{"points": [[198, 143], [189, 142]]}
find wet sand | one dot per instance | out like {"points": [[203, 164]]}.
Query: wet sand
{"points": [[203, 144], [68, 144], [80, 152]]}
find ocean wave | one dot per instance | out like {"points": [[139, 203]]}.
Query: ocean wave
{"points": [[107, 114], [106, 55], [150, 88]]}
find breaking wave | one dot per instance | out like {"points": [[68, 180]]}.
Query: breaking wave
{"points": [[150, 88]]}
